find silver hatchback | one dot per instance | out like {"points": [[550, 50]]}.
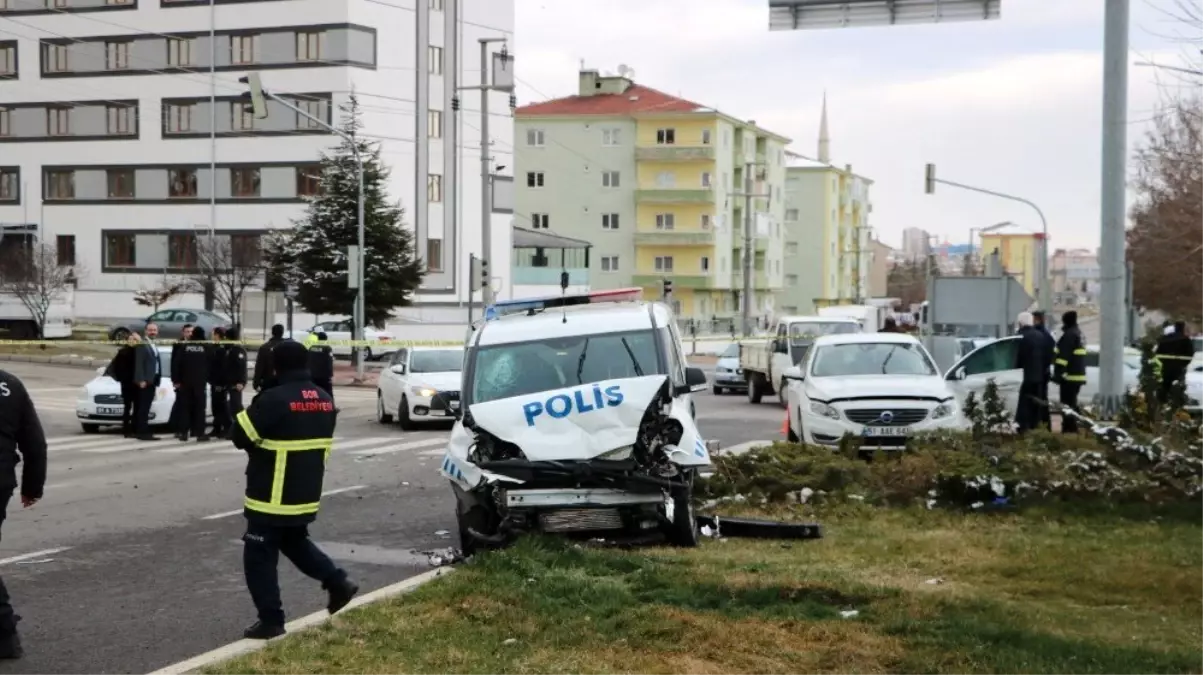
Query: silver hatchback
{"points": [[728, 376]]}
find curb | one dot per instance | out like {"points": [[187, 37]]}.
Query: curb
{"points": [[244, 647]]}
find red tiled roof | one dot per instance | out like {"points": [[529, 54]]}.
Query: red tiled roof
{"points": [[636, 99]]}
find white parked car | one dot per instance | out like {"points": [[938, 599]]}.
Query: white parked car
{"points": [[99, 403], [881, 387], [341, 330], [578, 416], [420, 384]]}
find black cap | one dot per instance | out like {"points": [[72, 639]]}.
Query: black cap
{"points": [[1070, 318], [233, 332], [198, 333], [278, 330], [290, 355]]}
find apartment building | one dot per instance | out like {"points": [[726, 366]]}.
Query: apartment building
{"points": [[916, 244], [122, 138], [657, 184], [1019, 253], [1075, 273]]}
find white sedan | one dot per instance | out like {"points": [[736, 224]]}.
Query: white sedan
{"points": [[881, 387], [99, 403], [420, 384], [341, 330]]}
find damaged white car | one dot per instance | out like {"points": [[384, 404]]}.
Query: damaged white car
{"points": [[577, 416]]}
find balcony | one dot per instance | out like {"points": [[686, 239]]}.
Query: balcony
{"points": [[675, 238], [760, 280], [674, 153], [693, 281], [759, 244], [674, 196]]}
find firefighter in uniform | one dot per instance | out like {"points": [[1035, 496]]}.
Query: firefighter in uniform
{"points": [[321, 362], [192, 366], [21, 438], [1069, 368], [1175, 351], [264, 373], [287, 432]]}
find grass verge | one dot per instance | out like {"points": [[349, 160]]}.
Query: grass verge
{"points": [[1033, 592]]}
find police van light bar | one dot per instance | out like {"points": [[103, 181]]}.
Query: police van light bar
{"points": [[507, 307]]}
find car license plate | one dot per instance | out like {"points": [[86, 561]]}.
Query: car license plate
{"points": [[455, 405], [115, 412], [874, 432]]}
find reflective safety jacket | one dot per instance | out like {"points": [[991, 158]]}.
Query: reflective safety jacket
{"points": [[1069, 357], [287, 432], [1174, 354]]}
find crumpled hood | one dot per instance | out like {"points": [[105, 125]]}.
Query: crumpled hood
{"points": [[449, 381], [876, 386], [573, 423]]}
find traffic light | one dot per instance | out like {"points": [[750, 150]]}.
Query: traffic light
{"points": [[474, 275], [484, 273], [668, 287], [254, 96], [929, 179]]}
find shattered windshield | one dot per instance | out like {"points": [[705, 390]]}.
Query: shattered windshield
{"points": [[809, 330], [517, 369]]}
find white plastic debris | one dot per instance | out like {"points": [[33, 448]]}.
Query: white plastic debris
{"points": [[805, 494], [849, 614], [859, 498], [510, 641], [442, 533], [976, 505], [934, 582], [443, 557]]}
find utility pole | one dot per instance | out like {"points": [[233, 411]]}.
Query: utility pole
{"points": [[748, 253]]}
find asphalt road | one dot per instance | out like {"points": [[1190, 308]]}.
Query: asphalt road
{"points": [[132, 561]]}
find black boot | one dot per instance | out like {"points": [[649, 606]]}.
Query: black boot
{"points": [[340, 593], [10, 646], [263, 631]]}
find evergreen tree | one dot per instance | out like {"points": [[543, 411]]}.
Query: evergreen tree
{"points": [[313, 254]]}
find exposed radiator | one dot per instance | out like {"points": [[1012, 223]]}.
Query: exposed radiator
{"points": [[571, 520]]}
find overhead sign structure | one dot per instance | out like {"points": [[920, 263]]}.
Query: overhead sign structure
{"points": [[820, 14], [977, 302]]}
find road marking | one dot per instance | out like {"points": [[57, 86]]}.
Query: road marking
{"points": [[400, 448], [35, 554], [438, 452], [243, 647], [327, 493], [373, 555]]}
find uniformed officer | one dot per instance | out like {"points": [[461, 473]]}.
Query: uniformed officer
{"points": [[174, 420], [21, 438], [321, 362], [1175, 351], [193, 368], [287, 432], [235, 370], [264, 373], [218, 398], [1069, 368]]}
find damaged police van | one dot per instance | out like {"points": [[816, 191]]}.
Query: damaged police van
{"points": [[576, 416]]}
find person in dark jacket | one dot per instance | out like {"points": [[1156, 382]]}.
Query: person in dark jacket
{"points": [[173, 420], [21, 440], [1069, 369], [286, 432], [121, 369], [890, 326], [1032, 358], [1175, 351], [193, 368], [148, 375], [218, 396], [264, 373], [1050, 346], [321, 362], [235, 371]]}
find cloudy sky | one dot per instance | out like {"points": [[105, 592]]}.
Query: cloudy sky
{"points": [[1012, 105]]}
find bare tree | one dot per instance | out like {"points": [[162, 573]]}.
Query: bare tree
{"points": [[157, 295], [35, 276], [227, 268]]}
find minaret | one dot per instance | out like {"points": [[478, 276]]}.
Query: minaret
{"points": [[824, 139]]}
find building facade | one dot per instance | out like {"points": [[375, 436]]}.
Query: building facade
{"points": [[1075, 275], [1019, 251], [879, 268], [916, 244], [656, 184], [122, 138]]}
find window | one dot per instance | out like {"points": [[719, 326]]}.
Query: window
{"points": [[434, 255], [791, 248], [120, 183], [666, 179], [611, 137], [869, 358], [177, 117], [181, 183], [58, 121], [6, 122], [664, 263], [8, 186], [436, 5], [243, 48], [181, 251], [434, 57], [434, 124], [60, 185], [791, 280], [705, 137], [609, 221], [534, 179], [119, 250], [791, 214], [179, 52], [121, 120], [609, 263], [534, 138], [244, 182], [610, 179], [309, 180], [241, 119], [434, 188], [116, 55], [992, 358], [312, 107], [56, 58], [665, 221], [705, 264], [705, 179], [705, 221], [8, 60], [245, 250], [540, 221], [309, 46], [64, 249], [666, 136]]}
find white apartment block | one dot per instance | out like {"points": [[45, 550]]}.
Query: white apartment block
{"points": [[121, 134]]}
